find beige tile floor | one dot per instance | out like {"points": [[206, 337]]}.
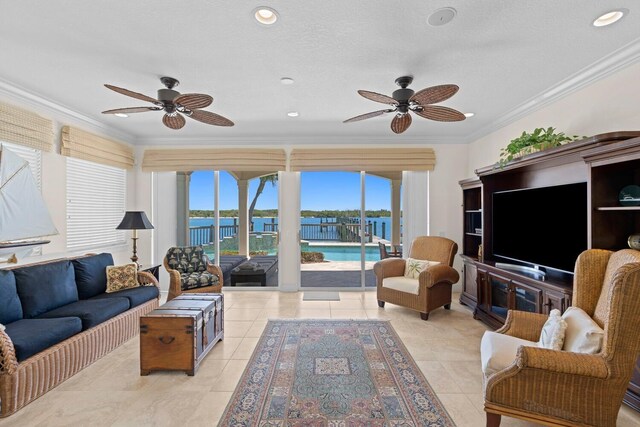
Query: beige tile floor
{"points": [[111, 393]]}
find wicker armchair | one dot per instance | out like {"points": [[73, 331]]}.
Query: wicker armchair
{"points": [[191, 272], [433, 286], [561, 388]]}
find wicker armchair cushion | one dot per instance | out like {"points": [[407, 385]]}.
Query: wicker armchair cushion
{"points": [[198, 280], [10, 306], [497, 351], [413, 267], [91, 312], [136, 296], [31, 336], [583, 335], [91, 276], [552, 334], [187, 259], [44, 287], [402, 284]]}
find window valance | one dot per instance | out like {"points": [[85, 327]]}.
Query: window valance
{"points": [[26, 128], [363, 159], [229, 159], [87, 146]]}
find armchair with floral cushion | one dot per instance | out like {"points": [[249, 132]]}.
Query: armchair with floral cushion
{"points": [[579, 383], [190, 271], [423, 281]]}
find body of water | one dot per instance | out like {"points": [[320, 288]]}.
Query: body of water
{"points": [[345, 253]]}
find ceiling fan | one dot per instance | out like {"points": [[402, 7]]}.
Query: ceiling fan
{"points": [[404, 100], [174, 105]]}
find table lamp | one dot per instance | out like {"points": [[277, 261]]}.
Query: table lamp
{"points": [[135, 220]]}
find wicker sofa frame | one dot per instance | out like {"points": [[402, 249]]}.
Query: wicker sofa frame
{"points": [[22, 383]]}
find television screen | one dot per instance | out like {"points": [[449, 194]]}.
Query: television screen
{"points": [[541, 226]]}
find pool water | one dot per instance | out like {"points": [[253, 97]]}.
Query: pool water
{"points": [[344, 253]]}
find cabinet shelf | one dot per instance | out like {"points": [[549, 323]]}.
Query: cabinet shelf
{"points": [[618, 208]]}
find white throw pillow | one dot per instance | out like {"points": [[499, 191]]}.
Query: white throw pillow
{"points": [[552, 335], [413, 267], [583, 335]]}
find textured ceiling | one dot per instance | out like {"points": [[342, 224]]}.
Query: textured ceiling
{"points": [[500, 53]]}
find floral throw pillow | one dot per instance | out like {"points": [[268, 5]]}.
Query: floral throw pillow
{"points": [[121, 277], [413, 267]]}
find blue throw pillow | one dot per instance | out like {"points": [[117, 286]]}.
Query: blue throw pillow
{"points": [[91, 274], [10, 307], [44, 287]]}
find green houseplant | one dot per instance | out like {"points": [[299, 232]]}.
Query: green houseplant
{"points": [[538, 140]]}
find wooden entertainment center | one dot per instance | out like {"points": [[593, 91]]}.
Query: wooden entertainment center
{"points": [[606, 163]]}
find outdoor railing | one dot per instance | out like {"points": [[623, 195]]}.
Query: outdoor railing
{"points": [[203, 235]]}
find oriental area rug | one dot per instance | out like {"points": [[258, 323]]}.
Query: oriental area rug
{"points": [[333, 373]]}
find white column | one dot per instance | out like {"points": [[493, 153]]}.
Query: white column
{"points": [[288, 231], [415, 207], [396, 187], [243, 217]]}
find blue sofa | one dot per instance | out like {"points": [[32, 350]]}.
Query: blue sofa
{"points": [[58, 319]]}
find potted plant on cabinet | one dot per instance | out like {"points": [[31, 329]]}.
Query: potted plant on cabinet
{"points": [[538, 140]]}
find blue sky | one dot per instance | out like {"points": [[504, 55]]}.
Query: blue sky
{"points": [[320, 190]]}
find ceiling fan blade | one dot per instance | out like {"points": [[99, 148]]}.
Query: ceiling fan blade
{"points": [[434, 94], [173, 122], [400, 123], [133, 94], [367, 116], [210, 118], [193, 101], [440, 114], [130, 110], [377, 97]]}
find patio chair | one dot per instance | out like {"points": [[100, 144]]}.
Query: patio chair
{"points": [[392, 254], [191, 272], [419, 289]]}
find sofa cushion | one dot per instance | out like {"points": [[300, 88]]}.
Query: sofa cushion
{"points": [[497, 351], [10, 306], [121, 277], [136, 296], [91, 276], [92, 312], [45, 287], [198, 280], [402, 284], [187, 259], [31, 336]]}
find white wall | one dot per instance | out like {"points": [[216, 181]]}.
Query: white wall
{"points": [[54, 182], [610, 104]]}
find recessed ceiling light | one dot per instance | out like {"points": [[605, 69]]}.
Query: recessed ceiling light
{"points": [[265, 15], [121, 115], [469, 114], [293, 114], [286, 81], [609, 18], [441, 16]]}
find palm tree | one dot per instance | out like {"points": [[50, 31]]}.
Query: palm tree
{"points": [[273, 179]]}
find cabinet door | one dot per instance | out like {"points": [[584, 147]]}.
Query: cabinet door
{"points": [[470, 284], [525, 298], [552, 301], [498, 296]]}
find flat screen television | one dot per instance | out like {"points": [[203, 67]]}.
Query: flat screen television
{"points": [[544, 226]]}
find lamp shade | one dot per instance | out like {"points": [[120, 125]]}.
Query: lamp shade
{"points": [[134, 220]]}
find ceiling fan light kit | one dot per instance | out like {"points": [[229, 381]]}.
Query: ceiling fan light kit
{"points": [[174, 104], [405, 100]]}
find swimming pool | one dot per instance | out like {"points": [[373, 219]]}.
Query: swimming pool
{"points": [[344, 253]]}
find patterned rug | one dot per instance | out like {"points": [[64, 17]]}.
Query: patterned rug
{"points": [[333, 373]]}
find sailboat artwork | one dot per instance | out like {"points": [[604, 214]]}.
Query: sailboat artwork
{"points": [[24, 218]]}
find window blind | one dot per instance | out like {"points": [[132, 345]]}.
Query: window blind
{"points": [[96, 196], [236, 159], [363, 159], [83, 145], [25, 128]]}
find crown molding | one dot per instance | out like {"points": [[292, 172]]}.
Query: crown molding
{"points": [[290, 140], [604, 67], [59, 112]]}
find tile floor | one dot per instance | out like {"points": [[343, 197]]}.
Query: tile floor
{"points": [[111, 393]]}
